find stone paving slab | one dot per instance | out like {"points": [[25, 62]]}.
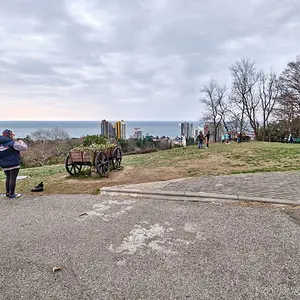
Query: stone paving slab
{"points": [[274, 185]]}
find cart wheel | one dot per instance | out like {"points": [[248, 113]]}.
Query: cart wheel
{"points": [[102, 164], [72, 169], [117, 158]]}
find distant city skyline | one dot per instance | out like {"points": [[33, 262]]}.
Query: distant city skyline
{"points": [[114, 130], [98, 120], [81, 128]]}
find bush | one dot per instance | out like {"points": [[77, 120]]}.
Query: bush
{"points": [[41, 153], [53, 134], [46, 147], [123, 144], [95, 139]]}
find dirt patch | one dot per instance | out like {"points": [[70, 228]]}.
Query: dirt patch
{"points": [[128, 175], [212, 165]]}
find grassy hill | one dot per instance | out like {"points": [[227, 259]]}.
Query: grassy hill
{"points": [[169, 164]]}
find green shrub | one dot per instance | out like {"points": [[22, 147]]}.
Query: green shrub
{"points": [[95, 139], [123, 144]]}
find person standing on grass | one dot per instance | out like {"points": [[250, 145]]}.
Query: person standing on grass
{"points": [[207, 136], [227, 138], [239, 137], [200, 140], [10, 160]]}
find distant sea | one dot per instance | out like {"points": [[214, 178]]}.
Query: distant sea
{"points": [[81, 128]]}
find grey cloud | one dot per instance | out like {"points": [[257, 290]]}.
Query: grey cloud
{"points": [[153, 54], [29, 66]]}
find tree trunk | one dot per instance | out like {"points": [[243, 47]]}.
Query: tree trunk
{"points": [[264, 131], [256, 134], [215, 133], [242, 122]]}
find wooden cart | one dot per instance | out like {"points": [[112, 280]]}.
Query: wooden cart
{"points": [[102, 160]]}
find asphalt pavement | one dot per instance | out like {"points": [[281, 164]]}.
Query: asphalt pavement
{"points": [[123, 247]]}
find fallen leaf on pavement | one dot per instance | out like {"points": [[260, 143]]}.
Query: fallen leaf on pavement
{"points": [[56, 269], [83, 214]]}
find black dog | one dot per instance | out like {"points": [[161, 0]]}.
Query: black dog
{"points": [[38, 188]]}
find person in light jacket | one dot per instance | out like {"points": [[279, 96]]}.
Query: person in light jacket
{"points": [[10, 160]]}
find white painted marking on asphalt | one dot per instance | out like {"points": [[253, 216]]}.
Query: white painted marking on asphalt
{"points": [[159, 246], [170, 229], [123, 202], [138, 238], [183, 242], [98, 210], [102, 210], [196, 229], [121, 262], [143, 238]]}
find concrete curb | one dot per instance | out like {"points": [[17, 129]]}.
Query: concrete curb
{"points": [[192, 196]]}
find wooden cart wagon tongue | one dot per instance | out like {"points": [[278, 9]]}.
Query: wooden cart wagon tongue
{"points": [[103, 160]]}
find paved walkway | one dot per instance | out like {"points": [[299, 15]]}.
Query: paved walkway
{"points": [[275, 185], [120, 247]]}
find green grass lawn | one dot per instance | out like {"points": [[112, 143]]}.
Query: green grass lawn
{"points": [[266, 156], [174, 163]]}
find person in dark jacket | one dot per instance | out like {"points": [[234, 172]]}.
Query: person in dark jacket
{"points": [[207, 136], [10, 160], [200, 140]]}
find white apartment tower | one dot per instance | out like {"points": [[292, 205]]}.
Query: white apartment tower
{"points": [[123, 130]]}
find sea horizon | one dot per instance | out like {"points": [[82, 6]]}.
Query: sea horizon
{"points": [[98, 120], [77, 129]]}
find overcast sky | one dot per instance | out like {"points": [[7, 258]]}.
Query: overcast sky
{"points": [[132, 59]]}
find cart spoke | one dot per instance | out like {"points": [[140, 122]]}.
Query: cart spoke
{"points": [[105, 167], [102, 164], [117, 157], [72, 167], [77, 168]]}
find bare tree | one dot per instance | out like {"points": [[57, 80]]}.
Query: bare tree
{"points": [[58, 134], [268, 94], [40, 135], [53, 134], [290, 79], [245, 78], [48, 146], [286, 112], [290, 86], [234, 118], [213, 97]]}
